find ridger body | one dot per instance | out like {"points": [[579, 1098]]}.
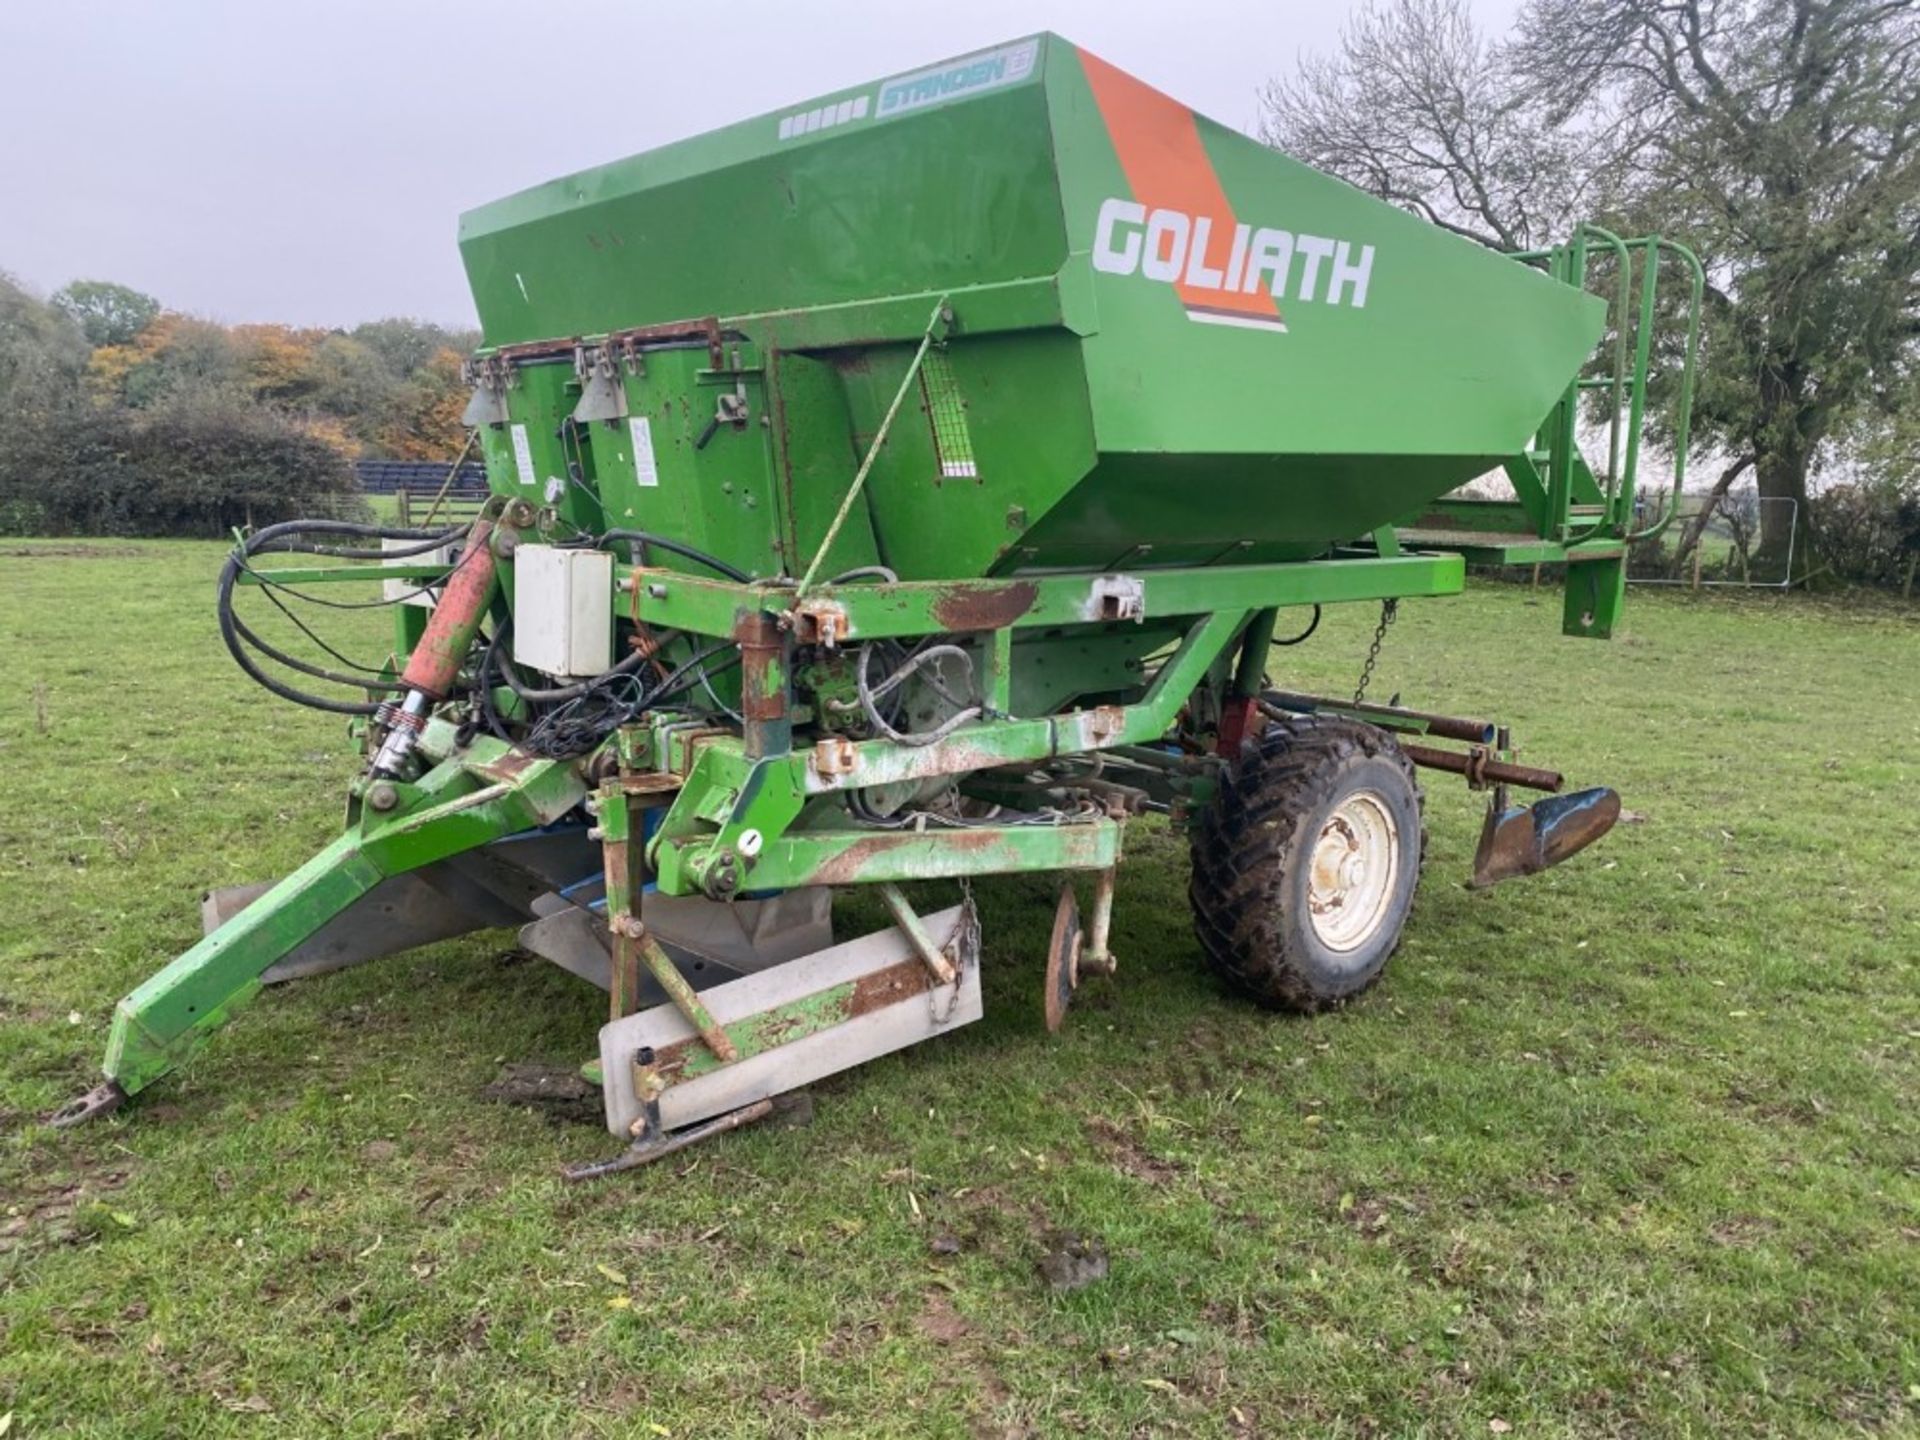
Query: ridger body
{"points": [[907, 486]]}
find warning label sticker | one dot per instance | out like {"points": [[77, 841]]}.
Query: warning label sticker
{"points": [[645, 471], [523, 456]]}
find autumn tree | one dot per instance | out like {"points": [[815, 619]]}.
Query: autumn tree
{"points": [[408, 345], [421, 417], [194, 463], [122, 417], [107, 313], [1780, 139], [171, 354]]}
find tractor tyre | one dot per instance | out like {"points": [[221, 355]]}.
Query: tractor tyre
{"points": [[1305, 864]]}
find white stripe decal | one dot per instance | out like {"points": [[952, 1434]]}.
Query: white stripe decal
{"points": [[1241, 322]]}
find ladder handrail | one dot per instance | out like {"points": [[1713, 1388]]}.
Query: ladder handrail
{"points": [[1683, 407], [1568, 263]]}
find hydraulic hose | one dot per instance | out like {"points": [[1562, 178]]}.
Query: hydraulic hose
{"points": [[645, 538], [237, 635]]}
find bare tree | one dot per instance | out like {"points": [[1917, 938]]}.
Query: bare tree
{"points": [[1418, 107], [1778, 138]]}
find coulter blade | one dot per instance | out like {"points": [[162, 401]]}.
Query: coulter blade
{"points": [[1526, 839]]}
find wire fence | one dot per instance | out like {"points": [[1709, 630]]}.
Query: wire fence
{"points": [[1740, 541]]}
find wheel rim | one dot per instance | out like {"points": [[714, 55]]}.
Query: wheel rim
{"points": [[1356, 862]]}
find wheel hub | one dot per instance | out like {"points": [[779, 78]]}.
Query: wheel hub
{"points": [[1356, 861]]}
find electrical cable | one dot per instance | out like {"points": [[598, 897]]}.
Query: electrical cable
{"points": [[307, 630], [869, 695], [576, 726], [565, 692], [865, 572], [1304, 635]]}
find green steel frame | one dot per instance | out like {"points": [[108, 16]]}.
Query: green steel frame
{"points": [[752, 404], [730, 812]]}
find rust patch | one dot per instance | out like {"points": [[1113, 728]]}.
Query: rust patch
{"points": [[707, 329], [888, 987], [985, 608], [508, 768], [846, 867], [669, 1060], [820, 622], [850, 866], [870, 993], [647, 782]]}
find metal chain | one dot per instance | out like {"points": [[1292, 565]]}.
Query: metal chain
{"points": [[965, 944], [1389, 610]]}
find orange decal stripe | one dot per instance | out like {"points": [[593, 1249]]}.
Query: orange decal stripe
{"points": [[1158, 142]]}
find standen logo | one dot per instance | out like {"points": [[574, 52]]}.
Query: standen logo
{"points": [[1213, 273]]}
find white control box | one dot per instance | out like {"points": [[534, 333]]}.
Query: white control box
{"points": [[563, 610]]}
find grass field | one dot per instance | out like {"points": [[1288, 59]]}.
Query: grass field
{"points": [[1631, 1148]]}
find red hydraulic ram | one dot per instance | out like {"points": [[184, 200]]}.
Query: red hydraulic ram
{"points": [[434, 667]]}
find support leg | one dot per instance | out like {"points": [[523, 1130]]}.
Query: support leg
{"points": [[1596, 594], [1249, 674], [1096, 958], [685, 999], [633, 948], [621, 858]]}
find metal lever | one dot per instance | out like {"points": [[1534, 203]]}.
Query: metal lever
{"points": [[731, 410]]}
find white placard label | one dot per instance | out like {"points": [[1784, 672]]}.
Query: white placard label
{"points": [[523, 456], [645, 470]]}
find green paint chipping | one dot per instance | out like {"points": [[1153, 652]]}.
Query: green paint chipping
{"points": [[770, 1029]]}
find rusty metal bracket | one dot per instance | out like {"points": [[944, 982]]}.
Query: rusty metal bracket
{"points": [[667, 974], [834, 756], [820, 622]]}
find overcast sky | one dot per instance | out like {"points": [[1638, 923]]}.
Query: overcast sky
{"points": [[306, 160]]}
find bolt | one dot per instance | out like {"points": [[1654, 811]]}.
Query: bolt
{"points": [[724, 878], [383, 797]]}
